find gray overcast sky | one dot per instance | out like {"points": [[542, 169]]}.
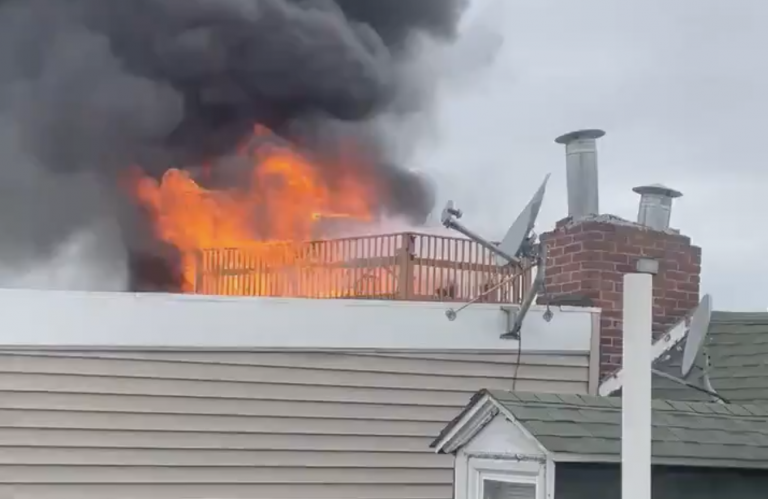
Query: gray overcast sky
{"points": [[679, 86]]}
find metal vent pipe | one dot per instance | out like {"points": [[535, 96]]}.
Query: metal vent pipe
{"points": [[655, 208], [581, 170]]}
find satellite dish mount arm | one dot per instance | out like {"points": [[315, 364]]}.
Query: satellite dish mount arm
{"points": [[518, 246], [450, 221], [516, 315]]}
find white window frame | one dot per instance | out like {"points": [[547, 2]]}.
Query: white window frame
{"points": [[505, 470]]}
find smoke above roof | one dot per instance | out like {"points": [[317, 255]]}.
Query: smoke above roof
{"points": [[89, 88]]}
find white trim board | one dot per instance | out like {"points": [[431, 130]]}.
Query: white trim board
{"points": [[471, 422], [480, 470], [474, 420], [72, 319], [661, 346]]}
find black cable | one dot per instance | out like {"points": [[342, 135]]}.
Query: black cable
{"points": [[518, 361], [690, 385]]}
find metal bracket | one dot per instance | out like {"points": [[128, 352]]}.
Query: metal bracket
{"points": [[511, 331], [515, 317]]}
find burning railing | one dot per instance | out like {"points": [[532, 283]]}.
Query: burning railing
{"points": [[405, 266]]}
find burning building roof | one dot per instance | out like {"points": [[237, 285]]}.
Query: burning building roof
{"points": [[134, 111]]}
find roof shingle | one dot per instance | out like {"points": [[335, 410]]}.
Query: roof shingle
{"points": [[737, 343], [718, 434]]}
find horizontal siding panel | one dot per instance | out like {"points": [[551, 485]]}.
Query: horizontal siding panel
{"points": [[228, 491], [427, 379], [511, 358], [268, 424], [455, 364], [272, 391], [266, 475], [13, 418], [176, 457], [221, 406], [213, 389], [318, 358], [38, 437]]}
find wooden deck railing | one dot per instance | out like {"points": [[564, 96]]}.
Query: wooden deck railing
{"points": [[404, 266]]}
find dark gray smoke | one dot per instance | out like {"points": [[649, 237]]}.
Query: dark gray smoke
{"points": [[90, 87]]}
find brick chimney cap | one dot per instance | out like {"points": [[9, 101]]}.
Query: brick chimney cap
{"points": [[659, 189], [591, 133]]}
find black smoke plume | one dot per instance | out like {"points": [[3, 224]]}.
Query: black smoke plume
{"points": [[90, 87]]}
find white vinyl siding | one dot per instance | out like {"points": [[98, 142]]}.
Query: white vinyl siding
{"points": [[237, 424]]}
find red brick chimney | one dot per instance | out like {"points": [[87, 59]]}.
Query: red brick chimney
{"points": [[588, 253], [586, 261]]}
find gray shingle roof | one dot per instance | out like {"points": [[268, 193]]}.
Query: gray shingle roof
{"points": [[702, 433], [737, 343]]}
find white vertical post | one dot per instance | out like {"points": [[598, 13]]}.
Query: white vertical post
{"points": [[636, 389]]}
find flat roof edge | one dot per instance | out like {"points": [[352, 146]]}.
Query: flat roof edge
{"points": [[60, 319]]}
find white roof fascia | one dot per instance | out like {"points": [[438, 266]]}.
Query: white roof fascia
{"points": [[76, 319]]}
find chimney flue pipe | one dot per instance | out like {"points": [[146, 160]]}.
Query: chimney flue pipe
{"points": [[655, 208], [581, 170]]}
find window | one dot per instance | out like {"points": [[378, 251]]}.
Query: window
{"points": [[504, 479], [497, 489]]}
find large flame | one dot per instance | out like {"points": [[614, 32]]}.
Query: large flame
{"points": [[270, 218]]}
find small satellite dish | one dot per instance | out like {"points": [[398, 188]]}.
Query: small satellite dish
{"points": [[697, 333], [518, 244], [521, 229]]}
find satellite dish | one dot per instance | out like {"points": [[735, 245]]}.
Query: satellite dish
{"points": [[697, 333], [519, 243], [520, 230], [695, 329]]}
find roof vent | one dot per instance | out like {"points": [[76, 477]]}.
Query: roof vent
{"points": [[655, 205], [581, 170]]}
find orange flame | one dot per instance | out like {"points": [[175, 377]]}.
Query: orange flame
{"points": [[287, 195]]}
